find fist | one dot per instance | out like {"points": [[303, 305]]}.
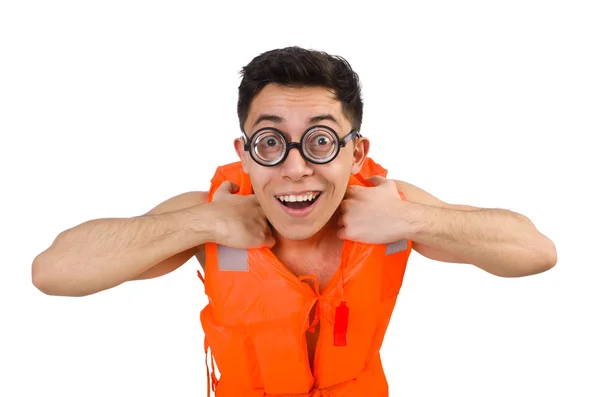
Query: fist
{"points": [[240, 220], [373, 215]]}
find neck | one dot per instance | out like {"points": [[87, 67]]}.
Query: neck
{"points": [[324, 240]]}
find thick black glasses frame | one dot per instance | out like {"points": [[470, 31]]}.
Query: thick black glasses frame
{"points": [[298, 145]]}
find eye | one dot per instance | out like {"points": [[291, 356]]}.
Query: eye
{"points": [[268, 146], [271, 142], [323, 140], [320, 140], [320, 144]]}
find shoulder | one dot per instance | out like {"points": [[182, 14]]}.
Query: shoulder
{"points": [[418, 195], [180, 201]]}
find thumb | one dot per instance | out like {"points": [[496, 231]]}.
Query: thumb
{"points": [[269, 241], [376, 180], [269, 238], [342, 233], [227, 187]]}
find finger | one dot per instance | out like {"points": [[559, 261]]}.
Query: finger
{"points": [[268, 231], [227, 187], [345, 204], [342, 234], [376, 180], [350, 189], [269, 241]]}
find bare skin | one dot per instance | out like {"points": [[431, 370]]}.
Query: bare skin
{"points": [[322, 263], [104, 253]]}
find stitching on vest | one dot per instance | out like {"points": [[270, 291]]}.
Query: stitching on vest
{"points": [[232, 259], [393, 248]]}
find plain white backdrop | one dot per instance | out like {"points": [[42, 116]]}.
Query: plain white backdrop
{"points": [[108, 108]]}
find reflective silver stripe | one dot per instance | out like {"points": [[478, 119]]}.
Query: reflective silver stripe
{"points": [[232, 259], [396, 247]]}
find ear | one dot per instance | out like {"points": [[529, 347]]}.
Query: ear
{"points": [[238, 144], [361, 151]]}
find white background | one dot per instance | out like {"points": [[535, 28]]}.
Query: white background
{"points": [[107, 108]]}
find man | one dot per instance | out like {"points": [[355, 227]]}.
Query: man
{"points": [[303, 243]]}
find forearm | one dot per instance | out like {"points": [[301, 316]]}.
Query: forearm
{"points": [[104, 253], [498, 241]]}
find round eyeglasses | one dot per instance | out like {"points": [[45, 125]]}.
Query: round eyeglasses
{"points": [[319, 144]]}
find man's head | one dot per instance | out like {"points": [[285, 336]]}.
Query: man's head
{"points": [[286, 95]]}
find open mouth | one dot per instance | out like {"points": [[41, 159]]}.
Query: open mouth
{"points": [[299, 202]]}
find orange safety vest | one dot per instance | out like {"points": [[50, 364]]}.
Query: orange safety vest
{"points": [[258, 312]]}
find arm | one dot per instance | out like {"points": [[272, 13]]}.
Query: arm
{"points": [[103, 253], [501, 242], [177, 203]]}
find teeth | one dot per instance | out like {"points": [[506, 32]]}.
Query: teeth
{"points": [[293, 199]]}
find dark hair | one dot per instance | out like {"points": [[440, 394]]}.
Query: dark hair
{"points": [[299, 67]]}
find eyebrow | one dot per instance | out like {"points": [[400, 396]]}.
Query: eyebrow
{"points": [[322, 117], [278, 120], [267, 117]]}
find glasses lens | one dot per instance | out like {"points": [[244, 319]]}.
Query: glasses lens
{"points": [[268, 146], [319, 144]]}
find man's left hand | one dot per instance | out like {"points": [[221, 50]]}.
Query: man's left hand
{"points": [[375, 215]]}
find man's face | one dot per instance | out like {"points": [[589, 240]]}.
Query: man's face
{"points": [[285, 190]]}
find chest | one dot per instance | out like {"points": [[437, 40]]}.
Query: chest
{"points": [[323, 267]]}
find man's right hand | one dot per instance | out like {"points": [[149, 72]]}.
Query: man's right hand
{"points": [[240, 220]]}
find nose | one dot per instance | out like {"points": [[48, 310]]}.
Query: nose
{"points": [[295, 167]]}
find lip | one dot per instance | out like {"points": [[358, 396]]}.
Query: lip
{"points": [[298, 193], [299, 213]]}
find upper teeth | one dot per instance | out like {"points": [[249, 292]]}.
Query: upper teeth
{"points": [[292, 198]]}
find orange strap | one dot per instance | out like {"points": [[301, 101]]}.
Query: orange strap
{"points": [[214, 379], [211, 378], [313, 325], [316, 319], [316, 392], [211, 382], [314, 278], [207, 377]]}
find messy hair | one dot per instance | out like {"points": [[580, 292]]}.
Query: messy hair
{"points": [[299, 67]]}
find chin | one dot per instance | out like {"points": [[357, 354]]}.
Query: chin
{"points": [[295, 230], [297, 233]]}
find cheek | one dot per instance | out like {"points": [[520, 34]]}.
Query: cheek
{"points": [[338, 181], [260, 182]]}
